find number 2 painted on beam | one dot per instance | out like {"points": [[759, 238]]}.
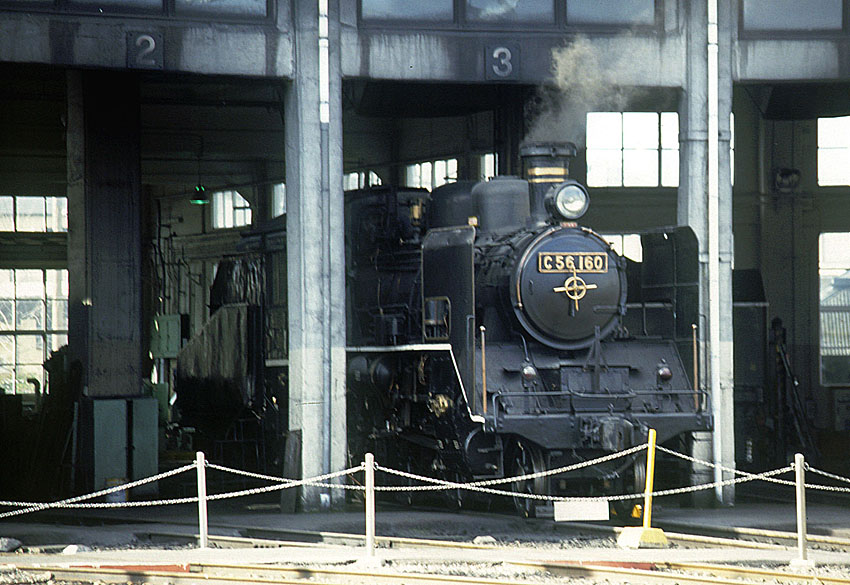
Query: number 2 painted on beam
{"points": [[149, 47]]}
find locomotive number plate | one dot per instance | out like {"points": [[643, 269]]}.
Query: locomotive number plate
{"points": [[564, 262]]}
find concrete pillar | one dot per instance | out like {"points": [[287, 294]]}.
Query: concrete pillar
{"points": [[693, 211], [104, 237], [315, 253]]}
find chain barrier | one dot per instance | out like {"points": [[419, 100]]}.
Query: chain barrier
{"points": [[724, 468], [74, 503], [431, 484], [35, 506], [484, 483], [827, 488], [317, 481]]}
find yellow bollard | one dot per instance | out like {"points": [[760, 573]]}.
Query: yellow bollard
{"points": [[645, 536]]}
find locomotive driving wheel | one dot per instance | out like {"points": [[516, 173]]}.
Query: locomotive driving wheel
{"points": [[523, 458]]}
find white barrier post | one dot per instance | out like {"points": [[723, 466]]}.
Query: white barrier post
{"points": [[369, 468], [800, 476], [200, 463]]}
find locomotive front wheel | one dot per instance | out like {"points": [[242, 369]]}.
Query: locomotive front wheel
{"points": [[523, 459]]}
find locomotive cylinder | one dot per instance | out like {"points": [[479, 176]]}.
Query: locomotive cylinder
{"points": [[544, 164]]}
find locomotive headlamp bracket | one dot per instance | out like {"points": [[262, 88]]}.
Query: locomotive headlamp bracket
{"points": [[568, 200]]}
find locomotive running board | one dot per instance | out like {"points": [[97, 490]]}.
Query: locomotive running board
{"points": [[412, 347]]}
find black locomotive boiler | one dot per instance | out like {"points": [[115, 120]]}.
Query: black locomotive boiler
{"points": [[492, 336]]}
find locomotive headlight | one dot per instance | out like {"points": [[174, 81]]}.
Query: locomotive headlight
{"points": [[569, 200]]}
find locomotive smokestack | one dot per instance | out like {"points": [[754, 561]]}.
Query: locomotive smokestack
{"points": [[544, 164]]}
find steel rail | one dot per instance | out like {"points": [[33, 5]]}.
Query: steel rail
{"points": [[664, 573], [661, 573], [225, 574]]}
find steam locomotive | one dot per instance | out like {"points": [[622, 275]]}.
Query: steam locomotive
{"points": [[492, 336]]}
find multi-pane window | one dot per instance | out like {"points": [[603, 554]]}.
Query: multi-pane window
{"points": [[834, 272], [33, 214], [360, 180], [223, 8], [33, 323], [230, 209], [834, 151], [430, 175], [535, 12], [632, 149]]}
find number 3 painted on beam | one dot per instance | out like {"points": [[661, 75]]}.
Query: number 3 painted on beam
{"points": [[504, 67]]}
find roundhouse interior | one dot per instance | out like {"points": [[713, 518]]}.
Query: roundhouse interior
{"points": [[148, 154]]}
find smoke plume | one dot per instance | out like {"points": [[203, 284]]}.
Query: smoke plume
{"points": [[581, 82]]}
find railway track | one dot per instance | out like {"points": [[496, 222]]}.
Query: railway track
{"points": [[535, 572], [696, 536]]}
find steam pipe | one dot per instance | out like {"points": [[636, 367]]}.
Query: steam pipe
{"points": [[714, 246]]}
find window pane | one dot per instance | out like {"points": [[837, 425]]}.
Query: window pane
{"points": [[640, 168], [7, 380], [510, 11], [611, 12], [23, 377], [451, 170], [435, 10], [604, 168], [833, 166], [792, 15], [670, 130], [7, 219], [669, 168], [57, 214], [7, 315], [29, 349], [834, 268], [834, 254], [834, 132], [152, 4], [57, 284], [426, 176], [640, 130], [57, 341], [7, 350], [57, 315], [29, 284], [7, 284], [632, 248], [604, 130], [29, 315], [232, 7], [278, 200], [30, 214]]}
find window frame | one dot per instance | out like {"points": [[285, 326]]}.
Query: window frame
{"points": [[167, 9], [659, 150], [460, 21], [781, 33], [234, 209], [45, 333]]}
